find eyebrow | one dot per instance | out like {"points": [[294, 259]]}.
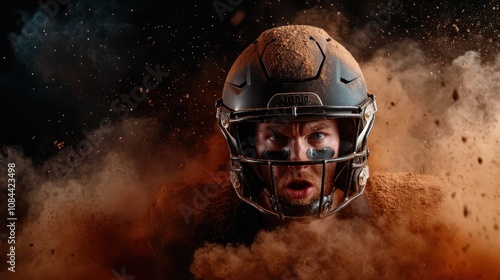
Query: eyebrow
{"points": [[280, 128], [317, 127], [271, 128]]}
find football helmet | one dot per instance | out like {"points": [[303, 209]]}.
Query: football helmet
{"points": [[289, 74]]}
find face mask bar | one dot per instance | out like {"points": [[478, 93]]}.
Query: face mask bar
{"points": [[320, 208]]}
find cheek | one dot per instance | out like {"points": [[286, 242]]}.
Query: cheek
{"points": [[333, 142], [260, 150], [264, 172], [259, 147], [330, 169]]}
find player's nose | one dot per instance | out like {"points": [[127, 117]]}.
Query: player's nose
{"points": [[298, 152]]}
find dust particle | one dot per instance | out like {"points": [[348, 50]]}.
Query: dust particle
{"points": [[455, 95], [437, 122], [479, 160], [453, 194], [465, 248], [466, 211], [464, 139]]}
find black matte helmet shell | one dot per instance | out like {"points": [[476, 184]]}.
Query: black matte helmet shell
{"points": [[294, 58]]}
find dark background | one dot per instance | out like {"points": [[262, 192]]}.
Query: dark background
{"points": [[65, 77]]}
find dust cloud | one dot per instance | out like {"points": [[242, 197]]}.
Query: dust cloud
{"points": [[434, 190], [80, 218]]}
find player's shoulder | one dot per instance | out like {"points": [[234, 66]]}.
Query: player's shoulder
{"points": [[405, 183], [405, 194]]}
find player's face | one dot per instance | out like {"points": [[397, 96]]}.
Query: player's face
{"points": [[298, 185]]}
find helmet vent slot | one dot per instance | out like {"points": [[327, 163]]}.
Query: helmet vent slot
{"points": [[345, 81]]}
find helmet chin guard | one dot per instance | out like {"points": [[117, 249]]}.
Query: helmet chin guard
{"points": [[321, 207], [296, 74]]}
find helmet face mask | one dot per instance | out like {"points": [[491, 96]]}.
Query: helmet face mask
{"points": [[264, 118]]}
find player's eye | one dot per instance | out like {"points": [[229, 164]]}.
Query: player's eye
{"points": [[276, 137], [317, 136]]}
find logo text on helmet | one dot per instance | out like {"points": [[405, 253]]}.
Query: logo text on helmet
{"points": [[294, 99]]}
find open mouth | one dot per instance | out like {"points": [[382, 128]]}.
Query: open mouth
{"points": [[299, 188]]}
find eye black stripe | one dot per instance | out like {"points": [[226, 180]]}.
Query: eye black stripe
{"points": [[276, 155], [324, 153]]}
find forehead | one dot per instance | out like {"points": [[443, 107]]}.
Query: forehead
{"points": [[303, 126]]}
